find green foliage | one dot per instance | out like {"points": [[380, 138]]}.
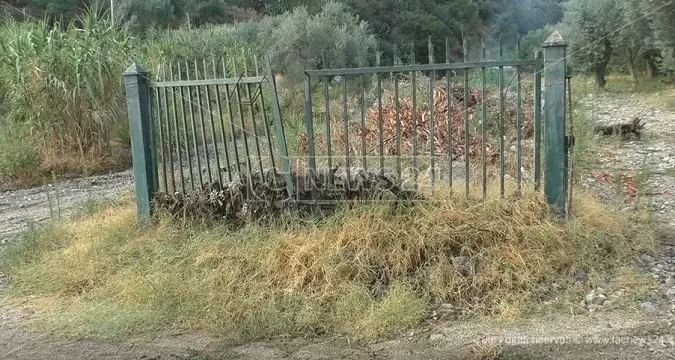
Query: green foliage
{"points": [[624, 34], [417, 27], [532, 41], [142, 15], [591, 30], [529, 15], [66, 82], [65, 85], [295, 41], [397, 23], [662, 13], [18, 157], [67, 9]]}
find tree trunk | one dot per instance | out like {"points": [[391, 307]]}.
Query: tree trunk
{"points": [[651, 70], [600, 76], [601, 67], [631, 65]]}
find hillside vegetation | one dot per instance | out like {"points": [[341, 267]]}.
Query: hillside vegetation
{"points": [[62, 102]]}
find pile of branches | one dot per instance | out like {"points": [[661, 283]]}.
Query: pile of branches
{"points": [[447, 137], [510, 114], [629, 130], [258, 197]]}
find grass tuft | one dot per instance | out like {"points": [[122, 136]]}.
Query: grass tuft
{"points": [[366, 273]]}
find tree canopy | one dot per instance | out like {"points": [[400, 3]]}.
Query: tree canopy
{"points": [[637, 35]]}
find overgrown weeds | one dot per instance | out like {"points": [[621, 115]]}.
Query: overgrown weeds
{"points": [[63, 89], [365, 273]]}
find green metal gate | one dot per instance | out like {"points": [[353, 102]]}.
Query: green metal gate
{"points": [[457, 124], [200, 124], [462, 124]]}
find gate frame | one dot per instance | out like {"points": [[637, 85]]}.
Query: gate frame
{"points": [[549, 63], [555, 115], [141, 130], [553, 65], [138, 86]]}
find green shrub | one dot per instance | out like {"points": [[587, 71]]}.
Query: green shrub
{"points": [[65, 81], [295, 41], [298, 41], [65, 84], [18, 158], [532, 41]]}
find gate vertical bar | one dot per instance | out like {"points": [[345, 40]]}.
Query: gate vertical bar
{"points": [[449, 114], [519, 124], [142, 139], [432, 118], [554, 78], [414, 115], [483, 122], [160, 133], [502, 160], [268, 135], [345, 129], [398, 122], [254, 127], [221, 121], [177, 129], [569, 171], [191, 111], [364, 150], [329, 145], [242, 118], [466, 121], [539, 56], [182, 97], [202, 124], [233, 130], [519, 130], [380, 126], [309, 124], [279, 129]]}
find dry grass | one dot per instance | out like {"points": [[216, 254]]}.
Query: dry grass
{"points": [[365, 273]]}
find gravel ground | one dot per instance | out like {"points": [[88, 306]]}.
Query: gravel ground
{"points": [[18, 208], [651, 161]]}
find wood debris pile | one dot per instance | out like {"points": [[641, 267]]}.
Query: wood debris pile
{"points": [[258, 198]]}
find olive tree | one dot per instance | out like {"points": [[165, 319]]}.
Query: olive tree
{"points": [[661, 13], [591, 29]]}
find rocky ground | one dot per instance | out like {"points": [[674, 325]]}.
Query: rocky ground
{"points": [[630, 173], [19, 208], [637, 172]]}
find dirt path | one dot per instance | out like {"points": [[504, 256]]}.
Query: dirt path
{"points": [[18, 208], [647, 333], [650, 163], [597, 336]]}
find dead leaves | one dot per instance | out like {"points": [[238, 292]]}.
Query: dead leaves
{"points": [[629, 186], [403, 127], [627, 183], [422, 127]]}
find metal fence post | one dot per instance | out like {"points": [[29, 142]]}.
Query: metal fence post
{"points": [[279, 129], [555, 172], [142, 139], [539, 68]]}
